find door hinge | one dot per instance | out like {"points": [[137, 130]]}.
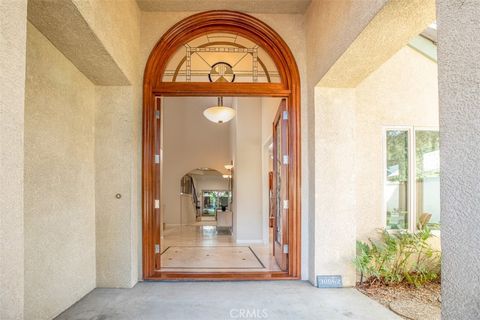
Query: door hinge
{"points": [[285, 248], [157, 248], [157, 158], [285, 204], [285, 115], [157, 114], [285, 159], [157, 204]]}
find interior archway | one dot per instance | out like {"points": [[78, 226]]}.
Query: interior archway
{"points": [[217, 193], [155, 87]]}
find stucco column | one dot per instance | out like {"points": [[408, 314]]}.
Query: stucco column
{"points": [[335, 228], [459, 90], [13, 23]]}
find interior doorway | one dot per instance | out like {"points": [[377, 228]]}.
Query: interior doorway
{"points": [[215, 216], [173, 70]]}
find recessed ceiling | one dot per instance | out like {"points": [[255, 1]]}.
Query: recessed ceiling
{"points": [[251, 6]]}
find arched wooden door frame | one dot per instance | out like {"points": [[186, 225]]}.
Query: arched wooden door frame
{"points": [[153, 87]]}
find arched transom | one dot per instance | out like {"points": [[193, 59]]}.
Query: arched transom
{"points": [[221, 57]]}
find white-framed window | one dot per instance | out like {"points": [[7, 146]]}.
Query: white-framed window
{"points": [[411, 184]]}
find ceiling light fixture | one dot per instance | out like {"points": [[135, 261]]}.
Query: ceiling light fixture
{"points": [[219, 113]]}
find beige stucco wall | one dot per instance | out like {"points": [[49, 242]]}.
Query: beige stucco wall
{"points": [[330, 28], [118, 123], [402, 92], [342, 34], [349, 152], [59, 181], [74, 37], [459, 89], [116, 173], [50, 290], [391, 28], [335, 183], [101, 38], [13, 34], [116, 24], [117, 143]]}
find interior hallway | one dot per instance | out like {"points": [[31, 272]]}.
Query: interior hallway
{"points": [[204, 248], [227, 300]]}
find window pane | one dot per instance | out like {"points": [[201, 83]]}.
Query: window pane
{"points": [[215, 200], [428, 176], [396, 182], [221, 57]]}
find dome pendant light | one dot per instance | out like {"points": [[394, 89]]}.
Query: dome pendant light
{"points": [[219, 113]]}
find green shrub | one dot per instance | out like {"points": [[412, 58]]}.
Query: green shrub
{"points": [[398, 257]]}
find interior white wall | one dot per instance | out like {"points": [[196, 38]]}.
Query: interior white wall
{"points": [[190, 141], [59, 181], [269, 110], [247, 174], [210, 182], [187, 209], [233, 153]]}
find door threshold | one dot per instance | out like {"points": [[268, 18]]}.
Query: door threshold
{"points": [[220, 276]]}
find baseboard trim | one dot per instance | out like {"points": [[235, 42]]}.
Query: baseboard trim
{"points": [[250, 241]]}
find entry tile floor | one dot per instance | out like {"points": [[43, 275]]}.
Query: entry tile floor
{"points": [[276, 300], [210, 257], [204, 234]]}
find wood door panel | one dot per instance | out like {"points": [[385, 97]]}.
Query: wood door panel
{"points": [[158, 178], [280, 186]]}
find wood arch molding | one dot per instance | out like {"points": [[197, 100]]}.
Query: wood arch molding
{"points": [[153, 87]]}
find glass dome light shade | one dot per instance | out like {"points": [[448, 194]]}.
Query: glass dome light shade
{"points": [[219, 114]]}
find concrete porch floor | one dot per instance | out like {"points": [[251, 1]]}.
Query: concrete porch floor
{"points": [[289, 300]]}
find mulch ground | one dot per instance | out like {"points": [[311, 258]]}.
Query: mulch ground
{"points": [[406, 300]]}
